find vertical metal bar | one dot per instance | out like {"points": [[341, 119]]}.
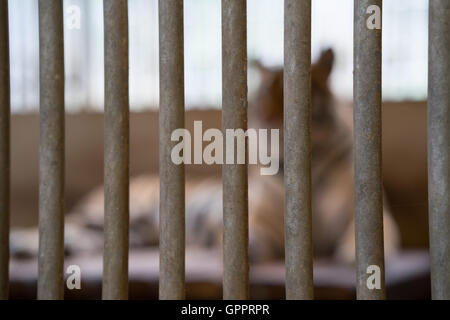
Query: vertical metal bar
{"points": [[235, 179], [367, 124], [51, 169], [116, 175], [297, 148], [4, 149], [439, 147], [171, 117]]}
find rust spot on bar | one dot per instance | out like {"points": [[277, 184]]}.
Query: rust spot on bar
{"points": [[115, 257], [234, 176], [439, 147], [297, 146], [172, 179], [51, 169], [367, 132], [4, 150]]}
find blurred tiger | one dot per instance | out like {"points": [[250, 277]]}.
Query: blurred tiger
{"points": [[332, 178]]}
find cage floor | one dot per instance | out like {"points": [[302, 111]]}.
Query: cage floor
{"points": [[407, 277]]}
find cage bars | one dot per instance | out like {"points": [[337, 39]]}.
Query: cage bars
{"points": [[297, 149], [4, 150], [51, 159], [172, 178], [439, 147], [116, 158], [367, 148], [234, 176]]}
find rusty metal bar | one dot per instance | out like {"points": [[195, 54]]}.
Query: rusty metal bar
{"points": [[51, 169], [297, 148], [234, 176], [4, 150], [171, 117], [367, 132], [439, 147], [116, 175]]}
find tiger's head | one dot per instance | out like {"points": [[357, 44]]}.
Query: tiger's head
{"points": [[266, 110]]}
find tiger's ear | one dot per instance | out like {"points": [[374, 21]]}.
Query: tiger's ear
{"points": [[322, 68], [269, 97], [260, 67], [326, 60]]}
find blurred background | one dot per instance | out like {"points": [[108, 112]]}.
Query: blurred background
{"points": [[404, 50], [405, 47]]}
